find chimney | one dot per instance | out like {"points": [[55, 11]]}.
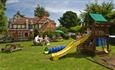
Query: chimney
{"points": [[27, 21]]}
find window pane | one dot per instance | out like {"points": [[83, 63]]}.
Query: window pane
{"points": [[14, 26], [36, 26], [39, 25], [30, 26], [19, 26], [23, 26]]}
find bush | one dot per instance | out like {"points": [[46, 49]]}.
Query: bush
{"points": [[75, 29], [64, 29], [6, 39], [111, 30], [36, 32], [112, 41], [31, 37], [55, 36], [73, 36], [49, 33], [65, 36]]}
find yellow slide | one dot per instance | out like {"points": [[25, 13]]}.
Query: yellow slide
{"points": [[57, 55], [105, 50]]}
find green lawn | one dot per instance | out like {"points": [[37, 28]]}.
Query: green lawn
{"points": [[32, 58]]}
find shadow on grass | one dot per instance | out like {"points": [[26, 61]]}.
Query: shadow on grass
{"points": [[87, 57], [72, 55], [99, 63], [5, 52], [10, 52], [36, 45], [76, 55]]}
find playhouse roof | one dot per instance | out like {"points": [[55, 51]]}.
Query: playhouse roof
{"points": [[98, 17]]}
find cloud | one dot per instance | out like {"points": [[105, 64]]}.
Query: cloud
{"points": [[26, 7], [61, 10], [12, 1]]}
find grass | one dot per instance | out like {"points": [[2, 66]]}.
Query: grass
{"points": [[32, 58]]}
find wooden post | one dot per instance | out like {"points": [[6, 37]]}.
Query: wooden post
{"points": [[107, 40], [94, 39], [108, 44]]}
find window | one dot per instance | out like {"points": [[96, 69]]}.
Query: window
{"points": [[33, 26], [23, 26], [36, 26], [19, 26], [30, 26], [10, 26], [39, 25], [14, 26]]}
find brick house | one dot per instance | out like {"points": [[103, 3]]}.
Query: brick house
{"points": [[20, 27]]}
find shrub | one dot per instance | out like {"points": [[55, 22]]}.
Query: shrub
{"points": [[75, 29], [36, 32], [31, 37], [73, 36], [64, 29], [112, 41], [111, 30], [65, 36], [6, 39]]}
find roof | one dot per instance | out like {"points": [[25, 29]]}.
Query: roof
{"points": [[98, 17], [25, 20], [34, 20]]}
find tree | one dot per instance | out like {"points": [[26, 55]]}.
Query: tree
{"points": [[69, 19], [111, 16], [40, 12], [4, 2], [3, 19], [104, 9]]}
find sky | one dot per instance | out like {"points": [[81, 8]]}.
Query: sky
{"points": [[56, 8]]}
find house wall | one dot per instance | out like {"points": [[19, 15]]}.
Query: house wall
{"points": [[20, 28], [19, 34]]}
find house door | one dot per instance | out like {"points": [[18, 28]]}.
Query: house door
{"points": [[26, 35]]}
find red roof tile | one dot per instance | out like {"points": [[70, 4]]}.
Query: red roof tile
{"points": [[35, 20]]}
